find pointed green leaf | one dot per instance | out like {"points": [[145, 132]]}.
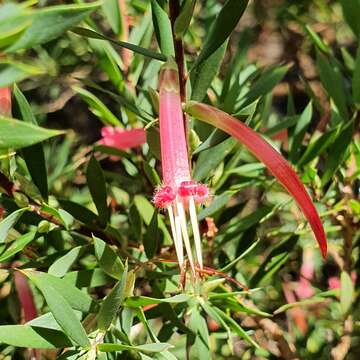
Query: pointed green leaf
{"points": [[108, 259], [151, 237], [333, 82], [60, 308], [111, 304], [77, 299], [138, 49], [9, 222], [62, 265], [98, 108], [182, 22], [33, 337], [49, 23], [222, 27], [162, 27], [97, 186], [16, 134], [203, 75], [346, 292], [351, 11], [15, 71], [150, 348], [33, 155], [112, 11], [18, 245]]}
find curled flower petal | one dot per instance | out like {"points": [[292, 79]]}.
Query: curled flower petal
{"points": [[276, 164], [122, 139]]}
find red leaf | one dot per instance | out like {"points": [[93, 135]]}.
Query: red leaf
{"points": [[276, 164]]}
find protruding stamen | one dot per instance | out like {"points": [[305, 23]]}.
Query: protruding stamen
{"points": [[196, 233], [185, 235], [176, 238]]}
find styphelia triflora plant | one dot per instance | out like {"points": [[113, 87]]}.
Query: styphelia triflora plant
{"points": [[179, 194]]}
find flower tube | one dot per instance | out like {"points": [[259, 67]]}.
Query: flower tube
{"points": [[178, 193], [122, 139]]}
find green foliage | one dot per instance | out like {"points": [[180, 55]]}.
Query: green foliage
{"points": [[96, 260]]}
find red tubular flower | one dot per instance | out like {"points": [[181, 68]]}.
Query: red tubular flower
{"points": [[5, 101], [178, 191], [122, 139], [276, 164]]}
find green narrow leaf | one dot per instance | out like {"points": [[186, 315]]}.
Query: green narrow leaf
{"points": [[221, 29], [316, 148], [237, 328], [107, 259], [79, 212], [299, 132], [306, 302], [16, 134], [49, 23], [162, 27], [60, 308], [15, 71], [98, 108], [346, 292], [33, 155], [62, 265], [77, 299], [97, 186], [337, 152], [88, 278], [203, 75], [356, 79], [12, 24], [18, 245], [112, 11], [140, 301], [146, 210], [150, 348], [201, 346], [209, 159], [218, 203], [182, 22], [138, 49], [351, 11], [333, 82], [266, 82], [10, 221], [33, 337], [112, 302], [151, 237], [273, 261]]}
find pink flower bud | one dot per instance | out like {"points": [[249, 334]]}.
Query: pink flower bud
{"points": [[5, 101]]}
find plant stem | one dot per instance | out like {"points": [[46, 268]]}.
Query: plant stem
{"points": [[174, 11]]}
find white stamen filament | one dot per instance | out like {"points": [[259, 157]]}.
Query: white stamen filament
{"points": [[195, 230], [185, 235], [176, 234]]}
